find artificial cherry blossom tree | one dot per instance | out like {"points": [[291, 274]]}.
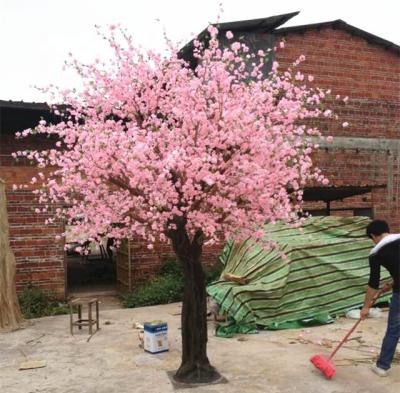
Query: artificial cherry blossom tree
{"points": [[152, 148]]}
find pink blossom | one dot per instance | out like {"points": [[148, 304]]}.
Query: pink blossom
{"points": [[345, 99], [229, 35], [235, 46], [212, 30], [310, 78], [329, 139], [345, 124], [204, 148]]}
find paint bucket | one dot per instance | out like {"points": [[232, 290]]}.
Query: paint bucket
{"points": [[155, 336]]}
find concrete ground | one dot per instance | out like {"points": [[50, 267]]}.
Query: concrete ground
{"points": [[273, 362]]}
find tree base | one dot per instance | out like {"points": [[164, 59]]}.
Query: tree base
{"points": [[188, 382], [196, 373]]}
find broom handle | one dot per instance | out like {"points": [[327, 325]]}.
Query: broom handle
{"points": [[354, 327], [345, 339]]}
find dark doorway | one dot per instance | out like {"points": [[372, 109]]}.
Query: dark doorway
{"points": [[92, 272]]}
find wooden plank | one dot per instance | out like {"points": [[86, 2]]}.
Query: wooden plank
{"points": [[31, 364]]}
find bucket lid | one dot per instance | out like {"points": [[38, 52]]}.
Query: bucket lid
{"points": [[155, 323]]}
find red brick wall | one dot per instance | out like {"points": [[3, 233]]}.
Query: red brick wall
{"points": [[9, 144], [364, 167], [370, 76], [39, 256], [348, 65], [145, 263]]}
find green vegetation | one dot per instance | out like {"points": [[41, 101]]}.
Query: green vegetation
{"points": [[166, 287], [36, 303]]}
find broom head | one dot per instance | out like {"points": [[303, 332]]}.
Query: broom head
{"points": [[324, 364]]}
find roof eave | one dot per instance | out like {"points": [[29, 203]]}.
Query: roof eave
{"points": [[264, 25]]}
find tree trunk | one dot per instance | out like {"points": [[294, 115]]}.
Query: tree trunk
{"points": [[10, 313], [195, 366]]}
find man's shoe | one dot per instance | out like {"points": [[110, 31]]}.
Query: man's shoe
{"points": [[379, 371]]}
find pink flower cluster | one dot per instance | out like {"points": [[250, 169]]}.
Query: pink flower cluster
{"points": [[149, 141]]}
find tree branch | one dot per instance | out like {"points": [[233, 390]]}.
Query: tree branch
{"points": [[120, 183]]}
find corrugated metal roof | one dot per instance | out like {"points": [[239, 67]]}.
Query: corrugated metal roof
{"points": [[271, 24], [263, 25]]}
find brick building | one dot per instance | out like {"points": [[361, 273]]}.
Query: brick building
{"points": [[363, 162], [39, 258]]}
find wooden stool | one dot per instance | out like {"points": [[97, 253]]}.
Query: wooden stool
{"points": [[84, 322]]}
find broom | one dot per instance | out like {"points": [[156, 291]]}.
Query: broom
{"points": [[324, 363]]}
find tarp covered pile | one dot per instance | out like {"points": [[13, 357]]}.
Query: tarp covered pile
{"points": [[323, 273]]}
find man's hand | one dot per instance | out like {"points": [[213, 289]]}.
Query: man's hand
{"points": [[387, 287], [364, 313]]}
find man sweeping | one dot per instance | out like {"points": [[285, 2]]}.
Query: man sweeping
{"points": [[386, 253]]}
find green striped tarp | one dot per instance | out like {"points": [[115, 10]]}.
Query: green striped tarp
{"points": [[323, 272]]}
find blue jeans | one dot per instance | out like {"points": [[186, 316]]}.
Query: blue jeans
{"points": [[392, 334]]}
